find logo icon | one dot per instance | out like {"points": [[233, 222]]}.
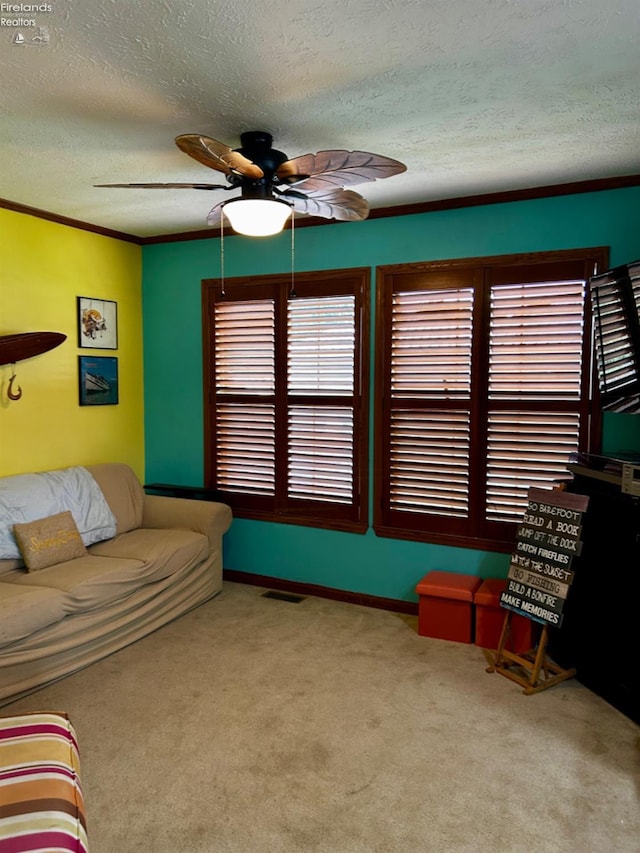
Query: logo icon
{"points": [[41, 37]]}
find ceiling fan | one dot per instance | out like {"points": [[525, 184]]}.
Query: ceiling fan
{"points": [[313, 183]]}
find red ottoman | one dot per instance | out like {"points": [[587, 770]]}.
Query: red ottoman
{"points": [[490, 619], [445, 606]]}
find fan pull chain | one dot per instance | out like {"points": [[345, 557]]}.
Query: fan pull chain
{"points": [[292, 292], [222, 293]]}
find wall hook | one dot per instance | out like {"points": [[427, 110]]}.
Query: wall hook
{"points": [[11, 394], [25, 345]]}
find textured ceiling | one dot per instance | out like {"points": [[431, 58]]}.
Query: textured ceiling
{"points": [[474, 97]]}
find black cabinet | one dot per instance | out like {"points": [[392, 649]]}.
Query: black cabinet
{"points": [[599, 634]]}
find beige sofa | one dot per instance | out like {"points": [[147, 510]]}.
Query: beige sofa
{"points": [[165, 559]]}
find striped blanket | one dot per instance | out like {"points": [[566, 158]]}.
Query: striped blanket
{"points": [[41, 803]]}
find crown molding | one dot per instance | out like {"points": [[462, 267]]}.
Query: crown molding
{"points": [[66, 220], [596, 185]]}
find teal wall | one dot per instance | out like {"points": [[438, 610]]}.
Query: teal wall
{"points": [[172, 273]]}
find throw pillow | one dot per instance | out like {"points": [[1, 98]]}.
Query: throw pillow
{"points": [[50, 540]]}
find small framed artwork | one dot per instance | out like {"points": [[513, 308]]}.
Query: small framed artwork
{"points": [[97, 323], [98, 380]]}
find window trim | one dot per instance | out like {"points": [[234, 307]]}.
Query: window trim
{"points": [[489, 268], [307, 284]]}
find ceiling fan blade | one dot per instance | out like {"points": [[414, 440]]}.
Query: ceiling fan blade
{"points": [[326, 169], [344, 205], [170, 186], [218, 156], [215, 214]]}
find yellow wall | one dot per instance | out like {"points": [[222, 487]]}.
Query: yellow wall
{"points": [[44, 266]]}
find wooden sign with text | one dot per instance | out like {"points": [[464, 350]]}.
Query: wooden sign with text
{"points": [[547, 541]]}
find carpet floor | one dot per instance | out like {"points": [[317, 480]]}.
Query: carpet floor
{"points": [[253, 725]]}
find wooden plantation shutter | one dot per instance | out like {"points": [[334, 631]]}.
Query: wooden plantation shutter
{"points": [[431, 339], [535, 393], [320, 365], [285, 396], [425, 399], [615, 296], [244, 356], [482, 380]]}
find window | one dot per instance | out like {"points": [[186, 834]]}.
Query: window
{"points": [[483, 380], [286, 403]]}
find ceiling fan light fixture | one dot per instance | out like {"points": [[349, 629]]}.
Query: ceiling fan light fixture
{"points": [[257, 217]]}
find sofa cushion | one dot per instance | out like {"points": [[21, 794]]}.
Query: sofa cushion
{"points": [[87, 583], [123, 493], [8, 566], [26, 609], [50, 540], [163, 551]]}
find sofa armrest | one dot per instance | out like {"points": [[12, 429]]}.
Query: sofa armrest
{"points": [[208, 517]]}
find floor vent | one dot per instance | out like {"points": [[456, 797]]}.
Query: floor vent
{"points": [[283, 596]]}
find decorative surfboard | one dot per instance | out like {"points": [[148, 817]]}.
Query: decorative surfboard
{"points": [[27, 344]]}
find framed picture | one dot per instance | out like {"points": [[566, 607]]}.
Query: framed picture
{"points": [[98, 380], [97, 323]]}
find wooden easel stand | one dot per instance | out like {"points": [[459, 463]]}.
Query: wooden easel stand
{"points": [[526, 669]]}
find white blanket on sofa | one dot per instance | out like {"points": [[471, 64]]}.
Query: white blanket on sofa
{"points": [[27, 497]]}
